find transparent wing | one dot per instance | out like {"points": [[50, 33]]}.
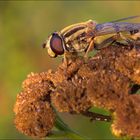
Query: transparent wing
{"points": [[117, 26], [110, 28]]}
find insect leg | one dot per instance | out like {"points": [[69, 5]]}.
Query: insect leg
{"points": [[65, 60], [69, 57], [90, 47], [135, 36], [132, 32], [96, 116], [130, 40]]}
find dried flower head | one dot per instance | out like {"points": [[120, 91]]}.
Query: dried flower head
{"points": [[34, 115], [35, 87], [35, 119], [128, 63], [71, 96], [126, 120], [107, 80]]}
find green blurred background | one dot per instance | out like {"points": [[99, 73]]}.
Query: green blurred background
{"points": [[24, 25]]}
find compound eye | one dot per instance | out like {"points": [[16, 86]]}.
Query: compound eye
{"points": [[56, 44]]}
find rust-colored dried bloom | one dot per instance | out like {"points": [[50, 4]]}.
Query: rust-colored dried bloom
{"points": [[128, 63], [107, 88], [35, 119], [35, 87], [70, 93], [106, 85], [105, 80], [34, 115], [71, 96], [127, 117], [64, 72], [116, 72]]}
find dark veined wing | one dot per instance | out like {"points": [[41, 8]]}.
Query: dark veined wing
{"points": [[110, 28], [116, 26]]}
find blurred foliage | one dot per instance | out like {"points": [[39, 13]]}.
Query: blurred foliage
{"points": [[24, 25]]}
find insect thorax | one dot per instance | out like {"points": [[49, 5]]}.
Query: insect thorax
{"points": [[76, 42], [77, 37]]}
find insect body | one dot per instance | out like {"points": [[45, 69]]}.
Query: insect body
{"points": [[83, 37], [74, 38]]}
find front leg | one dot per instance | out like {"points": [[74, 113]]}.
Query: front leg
{"points": [[69, 57], [90, 47], [65, 60]]}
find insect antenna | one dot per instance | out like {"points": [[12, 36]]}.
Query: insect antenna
{"points": [[127, 18]]}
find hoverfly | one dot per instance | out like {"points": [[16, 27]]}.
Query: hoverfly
{"points": [[85, 36]]}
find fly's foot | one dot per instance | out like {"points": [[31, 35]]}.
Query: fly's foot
{"points": [[86, 57]]}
